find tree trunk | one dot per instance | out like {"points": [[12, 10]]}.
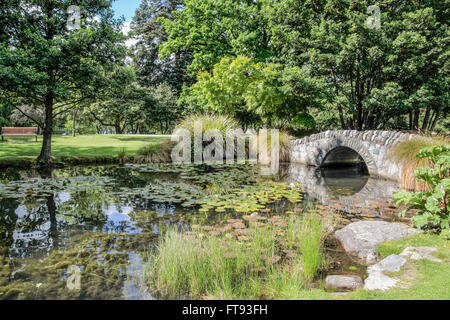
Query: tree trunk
{"points": [[416, 119], [411, 122], [425, 120], [74, 114], [45, 158], [438, 113]]}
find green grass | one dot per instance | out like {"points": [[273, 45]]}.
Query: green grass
{"points": [[432, 279], [310, 244], [202, 267], [199, 265], [80, 147]]}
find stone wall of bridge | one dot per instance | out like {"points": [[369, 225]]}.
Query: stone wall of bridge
{"points": [[372, 145]]}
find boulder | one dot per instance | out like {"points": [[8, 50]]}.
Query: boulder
{"points": [[343, 282], [363, 237]]}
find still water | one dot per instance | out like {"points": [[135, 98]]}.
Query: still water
{"points": [[98, 221]]}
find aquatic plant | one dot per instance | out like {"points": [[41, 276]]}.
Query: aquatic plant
{"points": [[311, 233], [249, 198], [38, 187], [250, 258]]}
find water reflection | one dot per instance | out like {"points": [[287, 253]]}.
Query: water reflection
{"points": [[349, 189], [347, 181], [107, 232]]}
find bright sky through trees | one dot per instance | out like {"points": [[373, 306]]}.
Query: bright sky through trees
{"points": [[125, 8]]}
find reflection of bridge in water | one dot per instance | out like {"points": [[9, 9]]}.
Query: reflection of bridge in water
{"points": [[346, 189]]}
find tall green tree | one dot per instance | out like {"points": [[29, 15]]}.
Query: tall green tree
{"points": [[43, 63], [375, 75], [151, 68], [380, 71], [214, 29], [121, 101], [161, 107], [257, 92]]}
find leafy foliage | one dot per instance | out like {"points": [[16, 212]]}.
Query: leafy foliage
{"points": [[392, 77], [151, 68], [44, 64], [432, 205], [251, 91]]}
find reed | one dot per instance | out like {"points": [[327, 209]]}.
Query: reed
{"points": [[197, 264], [406, 153]]}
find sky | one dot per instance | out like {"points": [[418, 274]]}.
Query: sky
{"points": [[125, 8]]}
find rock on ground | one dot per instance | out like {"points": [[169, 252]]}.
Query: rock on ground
{"points": [[363, 237], [392, 263], [378, 281], [343, 282], [419, 253]]}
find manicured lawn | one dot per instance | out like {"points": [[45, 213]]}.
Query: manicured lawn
{"points": [[80, 146]]}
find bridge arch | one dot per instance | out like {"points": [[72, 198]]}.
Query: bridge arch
{"points": [[354, 145], [373, 147]]}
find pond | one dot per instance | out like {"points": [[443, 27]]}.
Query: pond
{"points": [[103, 220]]}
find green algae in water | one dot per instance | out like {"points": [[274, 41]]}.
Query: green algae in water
{"points": [[105, 218]]}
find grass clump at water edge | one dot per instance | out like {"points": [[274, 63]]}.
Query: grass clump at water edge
{"points": [[263, 261], [310, 244]]}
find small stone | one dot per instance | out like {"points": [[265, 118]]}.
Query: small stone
{"points": [[378, 281], [343, 282], [393, 263], [419, 253]]}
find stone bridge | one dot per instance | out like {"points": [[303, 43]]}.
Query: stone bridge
{"points": [[351, 146]]}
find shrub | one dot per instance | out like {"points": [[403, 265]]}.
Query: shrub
{"points": [[432, 204], [284, 143], [407, 151], [226, 123]]}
